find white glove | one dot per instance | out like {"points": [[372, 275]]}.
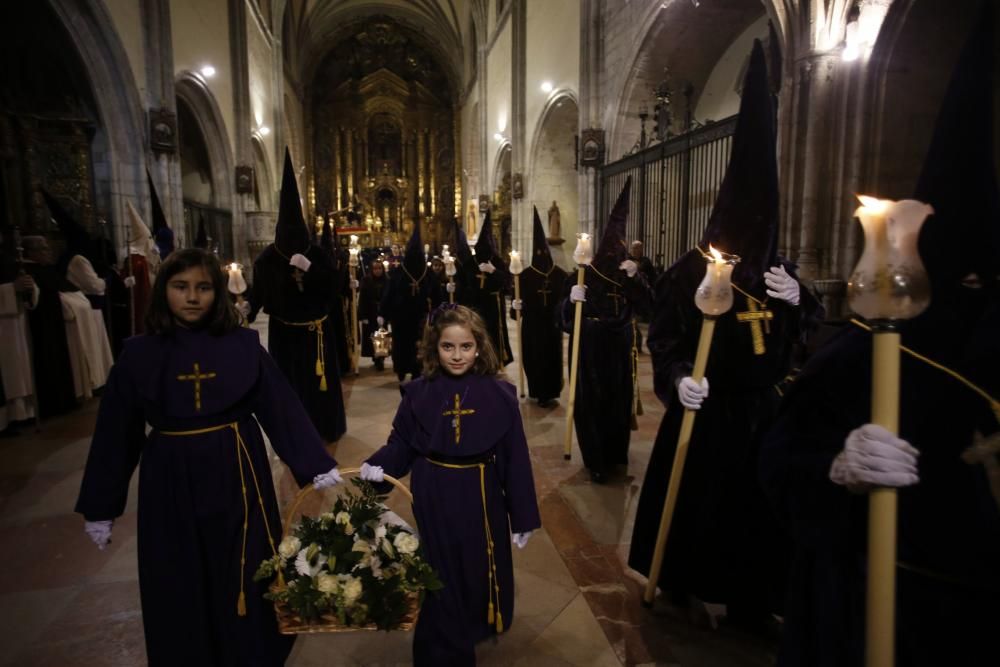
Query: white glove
{"points": [[516, 304], [243, 308], [327, 479], [99, 532], [872, 456], [372, 473], [450, 288], [781, 285], [380, 320], [629, 267], [690, 393], [521, 539], [487, 267], [299, 261], [354, 283], [364, 322], [578, 293], [129, 281]]}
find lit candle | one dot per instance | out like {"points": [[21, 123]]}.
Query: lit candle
{"points": [[237, 285], [584, 252], [714, 295], [353, 259], [515, 262]]}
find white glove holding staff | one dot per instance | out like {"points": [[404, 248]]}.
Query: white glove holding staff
{"points": [[692, 394], [629, 267], [371, 473], [872, 456], [300, 262], [578, 293], [450, 288], [782, 286], [521, 539], [487, 267]]}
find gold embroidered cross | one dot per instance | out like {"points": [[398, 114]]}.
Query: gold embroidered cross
{"points": [[545, 291], [482, 279], [613, 294], [456, 417], [754, 316], [197, 376]]}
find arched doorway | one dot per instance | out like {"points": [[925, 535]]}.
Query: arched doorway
{"points": [[554, 180]]}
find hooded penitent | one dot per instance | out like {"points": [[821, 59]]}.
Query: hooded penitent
{"points": [[744, 220], [162, 233], [612, 251], [959, 177], [462, 250], [201, 237], [541, 258], [413, 258], [77, 239], [140, 241], [486, 249], [291, 236]]}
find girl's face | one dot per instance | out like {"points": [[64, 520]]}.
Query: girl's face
{"points": [[190, 295], [457, 350]]}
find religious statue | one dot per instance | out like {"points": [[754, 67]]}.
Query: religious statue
{"points": [[555, 223]]}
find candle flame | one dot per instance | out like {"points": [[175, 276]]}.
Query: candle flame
{"points": [[716, 255], [874, 204], [233, 266], [584, 236], [514, 254]]}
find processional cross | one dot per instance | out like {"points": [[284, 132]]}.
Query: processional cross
{"points": [[456, 417], [545, 291], [197, 376], [754, 316]]}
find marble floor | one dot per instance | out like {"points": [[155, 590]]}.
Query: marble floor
{"points": [[63, 602]]}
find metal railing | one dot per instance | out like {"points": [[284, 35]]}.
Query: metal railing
{"points": [[674, 186]]}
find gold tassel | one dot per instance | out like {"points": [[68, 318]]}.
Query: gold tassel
{"points": [[322, 383], [241, 605], [319, 367], [489, 614], [499, 623]]}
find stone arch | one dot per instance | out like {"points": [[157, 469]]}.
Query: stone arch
{"points": [[501, 164], [552, 174], [191, 89], [263, 181], [119, 105]]}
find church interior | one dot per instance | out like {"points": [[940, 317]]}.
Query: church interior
{"points": [[424, 119]]}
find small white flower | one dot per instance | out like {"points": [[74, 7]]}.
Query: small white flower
{"points": [[306, 567], [351, 590], [380, 534], [343, 518], [326, 517], [406, 543], [327, 583], [289, 546]]}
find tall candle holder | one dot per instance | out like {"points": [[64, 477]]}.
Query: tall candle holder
{"points": [[583, 255], [516, 268]]}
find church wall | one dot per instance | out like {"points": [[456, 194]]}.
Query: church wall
{"points": [[200, 32], [128, 24], [473, 181], [720, 98], [498, 112], [262, 93]]}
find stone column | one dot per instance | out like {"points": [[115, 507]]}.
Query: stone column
{"points": [[239, 63], [519, 208], [432, 168], [338, 200], [349, 154], [591, 103], [421, 183]]}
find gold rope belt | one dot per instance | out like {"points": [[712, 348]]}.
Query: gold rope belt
{"points": [[317, 326], [241, 453], [494, 584]]}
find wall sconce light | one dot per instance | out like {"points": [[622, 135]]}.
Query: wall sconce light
{"points": [[207, 71]]}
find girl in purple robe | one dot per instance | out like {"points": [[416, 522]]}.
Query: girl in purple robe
{"points": [[458, 429], [207, 512]]}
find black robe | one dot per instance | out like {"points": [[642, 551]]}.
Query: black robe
{"points": [[724, 544], [49, 347], [948, 579], [487, 295], [191, 505], [606, 380], [340, 315], [541, 335], [292, 342], [449, 504], [406, 308], [369, 298]]}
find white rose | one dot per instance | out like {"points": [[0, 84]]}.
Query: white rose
{"points": [[352, 590], [406, 543], [289, 547], [326, 583], [306, 567]]}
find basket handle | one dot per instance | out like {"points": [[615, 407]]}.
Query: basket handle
{"points": [[308, 489]]}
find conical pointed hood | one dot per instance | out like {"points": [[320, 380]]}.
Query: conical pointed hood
{"points": [[744, 220], [541, 257], [486, 249], [462, 250], [326, 237], [77, 238], [959, 175], [162, 233], [413, 258], [140, 240], [291, 235], [612, 251], [201, 237]]}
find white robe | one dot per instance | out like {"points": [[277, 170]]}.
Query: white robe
{"points": [[15, 359], [87, 337]]}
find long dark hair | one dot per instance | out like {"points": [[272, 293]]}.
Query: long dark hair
{"points": [[447, 315], [221, 318]]}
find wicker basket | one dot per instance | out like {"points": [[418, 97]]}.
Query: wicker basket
{"points": [[290, 623]]}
